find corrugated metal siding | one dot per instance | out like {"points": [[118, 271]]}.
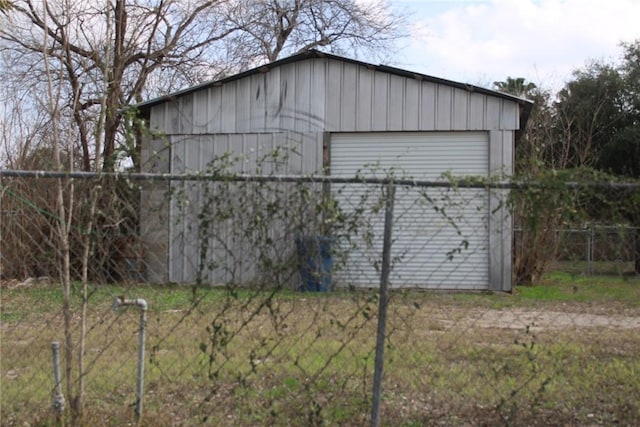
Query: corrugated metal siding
{"points": [[361, 99], [193, 154], [423, 236], [328, 95], [291, 97]]}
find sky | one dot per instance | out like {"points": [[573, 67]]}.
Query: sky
{"points": [[482, 41]]}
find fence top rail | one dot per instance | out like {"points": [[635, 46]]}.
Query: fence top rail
{"points": [[455, 182]]}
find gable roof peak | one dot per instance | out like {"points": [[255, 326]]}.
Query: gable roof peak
{"points": [[317, 54]]}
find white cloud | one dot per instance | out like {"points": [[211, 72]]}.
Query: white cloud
{"points": [[542, 40]]}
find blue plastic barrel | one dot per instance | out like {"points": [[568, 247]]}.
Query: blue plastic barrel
{"points": [[315, 263]]}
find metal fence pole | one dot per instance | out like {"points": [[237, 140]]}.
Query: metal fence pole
{"points": [[636, 250], [58, 397], [382, 306], [589, 233], [140, 379]]}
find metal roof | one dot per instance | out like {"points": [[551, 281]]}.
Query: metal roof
{"points": [[525, 104]]}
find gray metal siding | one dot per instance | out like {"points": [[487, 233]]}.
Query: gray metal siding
{"points": [[411, 105], [361, 99], [500, 234], [327, 95], [193, 154]]}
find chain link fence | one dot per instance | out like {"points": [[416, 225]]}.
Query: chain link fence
{"points": [[598, 249], [305, 301]]}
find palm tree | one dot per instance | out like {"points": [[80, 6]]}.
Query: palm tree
{"points": [[516, 86]]}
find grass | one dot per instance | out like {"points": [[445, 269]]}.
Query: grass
{"points": [[252, 358], [571, 287], [559, 288]]}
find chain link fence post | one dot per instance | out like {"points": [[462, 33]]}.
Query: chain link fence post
{"points": [[590, 244], [382, 306]]}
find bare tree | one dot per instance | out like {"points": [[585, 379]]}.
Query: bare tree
{"points": [[110, 54], [72, 69], [146, 38], [270, 29], [160, 46]]}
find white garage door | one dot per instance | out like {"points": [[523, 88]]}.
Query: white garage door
{"points": [[440, 236]]}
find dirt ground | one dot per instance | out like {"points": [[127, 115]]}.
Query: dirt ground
{"points": [[546, 320]]}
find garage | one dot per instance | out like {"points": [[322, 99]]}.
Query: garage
{"points": [[345, 117]]}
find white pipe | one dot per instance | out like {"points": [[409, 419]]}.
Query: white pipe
{"points": [[142, 304]]}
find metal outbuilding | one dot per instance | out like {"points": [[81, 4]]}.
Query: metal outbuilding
{"points": [[345, 114]]}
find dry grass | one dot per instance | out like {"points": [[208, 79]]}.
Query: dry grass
{"points": [[304, 359]]}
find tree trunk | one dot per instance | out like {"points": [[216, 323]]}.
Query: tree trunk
{"points": [[114, 88]]}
